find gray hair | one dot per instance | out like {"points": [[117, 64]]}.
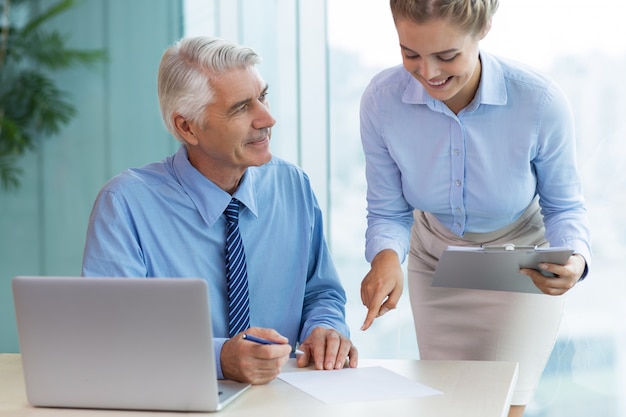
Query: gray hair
{"points": [[473, 16], [185, 72]]}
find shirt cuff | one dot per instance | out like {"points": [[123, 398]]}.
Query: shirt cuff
{"points": [[218, 343], [586, 271], [374, 249]]}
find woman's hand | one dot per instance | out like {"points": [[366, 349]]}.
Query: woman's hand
{"points": [[565, 276], [382, 286]]}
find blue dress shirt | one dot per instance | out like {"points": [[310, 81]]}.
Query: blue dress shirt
{"points": [[476, 171], [166, 220]]}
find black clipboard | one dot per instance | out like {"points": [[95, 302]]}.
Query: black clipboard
{"points": [[494, 267]]}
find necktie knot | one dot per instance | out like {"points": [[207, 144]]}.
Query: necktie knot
{"points": [[232, 211]]}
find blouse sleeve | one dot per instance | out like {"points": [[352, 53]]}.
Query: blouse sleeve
{"points": [[389, 215], [558, 181]]}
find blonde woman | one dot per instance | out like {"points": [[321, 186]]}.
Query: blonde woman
{"points": [[466, 148]]}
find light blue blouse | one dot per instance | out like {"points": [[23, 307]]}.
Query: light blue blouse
{"points": [[166, 220], [476, 171]]}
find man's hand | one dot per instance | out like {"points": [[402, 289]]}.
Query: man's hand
{"points": [[382, 286], [327, 349], [564, 279], [246, 361]]}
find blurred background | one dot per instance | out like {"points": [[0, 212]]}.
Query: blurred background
{"points": [[318, 56]]}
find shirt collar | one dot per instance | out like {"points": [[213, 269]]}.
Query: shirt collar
{"points": [[491, 90], [209, 199]]}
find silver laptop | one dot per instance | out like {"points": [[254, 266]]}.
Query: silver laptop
{"points": [[119, 343]]}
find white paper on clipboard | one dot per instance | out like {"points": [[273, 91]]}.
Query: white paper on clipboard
{"points": [[494, 267]]}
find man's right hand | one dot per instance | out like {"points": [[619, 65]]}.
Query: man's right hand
{"points": [[382, 286], [254, 363]]}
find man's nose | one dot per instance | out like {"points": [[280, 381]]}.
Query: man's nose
{"points": [[264, 117]]}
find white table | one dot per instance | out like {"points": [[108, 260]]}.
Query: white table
{"points": [[470, 389]]}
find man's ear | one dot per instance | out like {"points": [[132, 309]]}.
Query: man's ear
{"points": [[185, 129]]}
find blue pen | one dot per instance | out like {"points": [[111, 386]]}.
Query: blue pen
{"points": [[262, 341]]}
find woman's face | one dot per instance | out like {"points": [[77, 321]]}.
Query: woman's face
{"points": [[442, 58]]}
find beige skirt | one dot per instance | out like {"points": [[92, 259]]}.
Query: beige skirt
{"points": [[464, 324]]}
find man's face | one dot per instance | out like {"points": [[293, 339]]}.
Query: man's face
{"points": [[235, 130]]}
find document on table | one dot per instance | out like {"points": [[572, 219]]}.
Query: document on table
{"points": [[356, 385], [494, 267]]}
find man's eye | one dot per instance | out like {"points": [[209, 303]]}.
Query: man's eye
{"points": [[263, 97], [411, 56]]}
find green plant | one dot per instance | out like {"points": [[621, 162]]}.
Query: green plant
{"points": [[31, 106]]}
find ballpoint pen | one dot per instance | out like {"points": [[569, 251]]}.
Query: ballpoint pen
{"points": [[262, 341]]}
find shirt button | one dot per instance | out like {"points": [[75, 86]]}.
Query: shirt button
{"points": [[458, 183], [458, 209], [457, 152]]}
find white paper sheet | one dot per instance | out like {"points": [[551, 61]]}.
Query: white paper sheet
{"points": [[356, 385]]}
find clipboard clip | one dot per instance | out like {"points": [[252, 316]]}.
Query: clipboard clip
{"points": [[507, 247]]}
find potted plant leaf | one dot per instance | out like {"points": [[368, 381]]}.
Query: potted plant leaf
{"points": [[31, 105]]}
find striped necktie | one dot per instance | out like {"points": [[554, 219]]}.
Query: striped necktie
{"points": [[236, 275]]}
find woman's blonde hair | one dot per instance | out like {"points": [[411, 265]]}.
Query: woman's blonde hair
{"points": [[472, 16]]}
